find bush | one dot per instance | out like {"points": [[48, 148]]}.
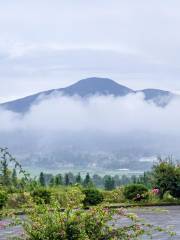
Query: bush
{"points": [[41, 195], [166, 177], [153, 198], [3, 198], [135, 192], [17, 200], [44, 222], [175, 189], [92, 197], [167, 197], [67, 197], [115, 196]]}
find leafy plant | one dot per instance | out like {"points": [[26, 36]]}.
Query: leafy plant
{"points": [[41, 195], [68, 197], [115, 196], [18, 200], [97, 223], [5, 159], [92, 197], [166, 177], [135, 192], [3, 198]]}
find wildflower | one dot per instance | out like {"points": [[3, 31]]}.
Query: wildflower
{"points": [[155, 191]]}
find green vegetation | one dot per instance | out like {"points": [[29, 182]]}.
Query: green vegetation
{"points": [[136, 192], [114, 196], [41, 195], [42, 179], [18, 200], [167, 178], [92, 197], [109, 183], [72, 207], [78, 224], [3, 198]]}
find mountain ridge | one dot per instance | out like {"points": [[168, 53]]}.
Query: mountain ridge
{"points": [[89, 87]]}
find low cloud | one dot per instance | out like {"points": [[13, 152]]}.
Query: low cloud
{"points": [[106, 114], [71, 128]]}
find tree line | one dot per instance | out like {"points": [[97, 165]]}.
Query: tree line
{"points": [[106, 182]]}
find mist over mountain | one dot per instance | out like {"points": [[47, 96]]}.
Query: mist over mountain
{"points": [[95, 123], [87, 88]]}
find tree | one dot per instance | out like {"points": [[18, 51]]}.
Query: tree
{"points": [[79, 179], [42, 179], [166, 177], [124, 180], [146, 179], [5, 176], [22, 183], [3, 198], [97, 180], [52, 182], [47, 178], [176, 190], [71, 177], [109, 183], [14, 177], [87, 181], [134, 179], [58, 180], [116, 180], [66, 179]]}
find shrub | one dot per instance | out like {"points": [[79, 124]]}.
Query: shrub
{"points": [[67, 197], [3, 198], [153, 197], [167, 197], [166, 177], [48, 223], [175, 190], [115, 196], [17, 200], [70, 224], [92, 197], [41, 195], [135, 192]]}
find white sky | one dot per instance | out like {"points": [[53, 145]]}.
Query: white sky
{"points": [[52, 43]]}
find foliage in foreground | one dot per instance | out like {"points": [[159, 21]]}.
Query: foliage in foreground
{"points": [[3, 198], [46, 220], [97, 223]]}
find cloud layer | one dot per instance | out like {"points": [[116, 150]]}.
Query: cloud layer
{"points": [[102, 131], [107, 114]]}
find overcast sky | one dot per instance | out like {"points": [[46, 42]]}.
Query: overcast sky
{"points": [[52, 43]]}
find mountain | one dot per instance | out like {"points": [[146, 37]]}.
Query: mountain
{"points": [[101, 86], [89, 87], [159, 97]]}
